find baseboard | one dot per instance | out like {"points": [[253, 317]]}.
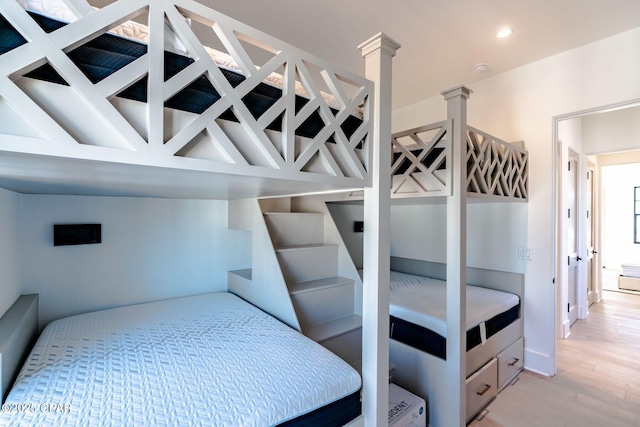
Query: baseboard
{"points": [[538, 363], [566, 329]]}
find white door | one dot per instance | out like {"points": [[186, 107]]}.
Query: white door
{"points": [[590, 238], [572, 241]]}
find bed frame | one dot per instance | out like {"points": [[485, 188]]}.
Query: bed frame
{"points": [[83, 139], [18, 332], [451, 162], [423, 373], [88, 120]]}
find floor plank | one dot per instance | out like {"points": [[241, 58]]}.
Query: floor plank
{"points": [[598, 380]]}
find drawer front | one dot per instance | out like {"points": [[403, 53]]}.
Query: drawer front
{"points": [[510, 362], [481, 387]]}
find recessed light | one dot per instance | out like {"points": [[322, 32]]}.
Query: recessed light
{"points": [[504, 33], [479, 68]]}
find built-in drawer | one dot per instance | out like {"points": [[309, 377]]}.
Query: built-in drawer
{"points": [[482, 387], [510, 362]]}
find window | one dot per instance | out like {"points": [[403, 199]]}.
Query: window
{"points": [[636, 215]]}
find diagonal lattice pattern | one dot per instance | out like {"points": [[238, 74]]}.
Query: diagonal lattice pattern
{"points": [[224, 129], [419, 162], [494, 167]]}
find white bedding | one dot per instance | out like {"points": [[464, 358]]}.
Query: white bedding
{"points": [[422, 301], [132, 30], [631, 270], [207, 360]]}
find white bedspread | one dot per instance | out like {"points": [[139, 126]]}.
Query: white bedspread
{"points": [[206, 360], [423, 301]]}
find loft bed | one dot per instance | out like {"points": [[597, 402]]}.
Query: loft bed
{"points": [[443, 349], [495, 170], [211, 359], [253, 117], [85, 110]]}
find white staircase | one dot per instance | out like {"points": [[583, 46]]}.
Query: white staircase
{"points": [[323, 301]]}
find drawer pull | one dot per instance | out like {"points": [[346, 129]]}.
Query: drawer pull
{"points": [[484, 390], [515, 360]]}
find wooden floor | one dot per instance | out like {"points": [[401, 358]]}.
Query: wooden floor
{"points": [[598, 381]]}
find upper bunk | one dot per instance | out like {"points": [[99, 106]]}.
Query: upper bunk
{"points": [[495, 169], [171, 99]]}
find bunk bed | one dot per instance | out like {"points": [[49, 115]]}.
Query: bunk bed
{"points": [[87, 110], [448, 342]]}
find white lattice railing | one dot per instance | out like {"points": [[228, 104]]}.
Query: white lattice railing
{"points": [[495, 169], [419, 162], [88, 115]]}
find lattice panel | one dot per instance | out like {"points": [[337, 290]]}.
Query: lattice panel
{"points": [[419, 158], [495, 167], [164, 136]]}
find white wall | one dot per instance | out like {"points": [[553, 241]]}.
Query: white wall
{"points": [[495, 231], [520, 105], [151, 249], [617, 185], [344, 216], [612, 131], [9, 263]]}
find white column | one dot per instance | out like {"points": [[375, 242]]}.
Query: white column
{"points": [[378, 52], [455, 414]]}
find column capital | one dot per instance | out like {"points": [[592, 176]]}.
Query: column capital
{"points": [[379, 42], [462, 91]]}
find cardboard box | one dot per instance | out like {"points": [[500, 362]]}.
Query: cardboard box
{"points": [[405, 408]]}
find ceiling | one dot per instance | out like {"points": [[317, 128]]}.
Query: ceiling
{"points": [[441, 39]]}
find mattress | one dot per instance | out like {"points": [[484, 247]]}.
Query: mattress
{"points": [[109, 52], [631, 270], [132, 30], [417, 308], [207, 360]]}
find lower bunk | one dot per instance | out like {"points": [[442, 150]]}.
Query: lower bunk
{"points": [[211, 359], [417, 347]]}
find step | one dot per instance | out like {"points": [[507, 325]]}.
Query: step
{"points": [[302, 263], [333, 328], [322, 300], [319, 284], [295, 228]]}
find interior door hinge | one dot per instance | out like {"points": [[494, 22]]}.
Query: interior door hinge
{"points": [[569, 213], [569, 166], [568, 260], [568, 307]]}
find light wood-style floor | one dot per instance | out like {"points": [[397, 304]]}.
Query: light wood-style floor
{"points": [[598, 381]]}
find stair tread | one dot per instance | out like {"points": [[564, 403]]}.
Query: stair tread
{"points": [[245, 272], [304, 247], [292, 213], [318, 284], [333, 328]]}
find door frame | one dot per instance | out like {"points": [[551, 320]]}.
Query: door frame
{"points": [[557, 231]]}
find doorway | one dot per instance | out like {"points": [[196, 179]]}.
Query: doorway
{"points": [[579, 138]]}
